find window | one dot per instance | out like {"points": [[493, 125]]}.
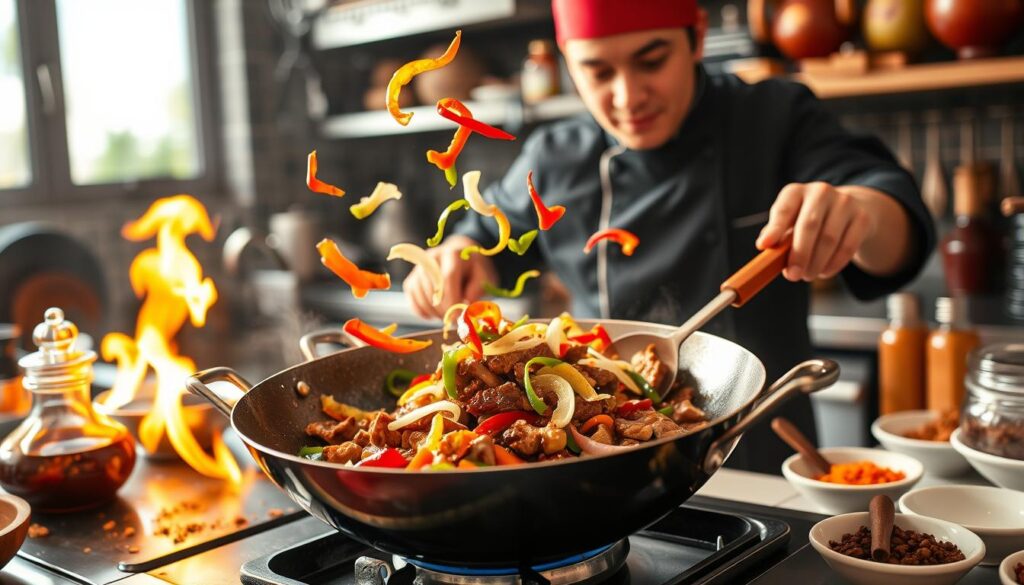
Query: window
{"points": [[118, 99]]}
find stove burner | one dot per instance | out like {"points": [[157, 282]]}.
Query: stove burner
{"points": [[582, 568]]}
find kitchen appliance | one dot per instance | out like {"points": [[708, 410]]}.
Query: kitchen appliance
{"points": [[498, 517], [759, 545]]}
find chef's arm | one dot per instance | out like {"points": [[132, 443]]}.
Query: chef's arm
{"points": [[833, 226]]}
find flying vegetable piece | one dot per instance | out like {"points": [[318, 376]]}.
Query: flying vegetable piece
{"points": [[515, 291], [473, 317], [446, 160], [418, 256], [448, 108], [381, 193], [471, 185], [451, 175], [546, 216], [411, 69], [521, 245], [316, 185], [442, 221], [361, 281], [626, 239], [376, 338]]}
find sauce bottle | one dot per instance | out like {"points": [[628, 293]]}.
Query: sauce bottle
{"points": [[946, 357], [540, 76], [64, 456], [901, 356], [970, 251]]}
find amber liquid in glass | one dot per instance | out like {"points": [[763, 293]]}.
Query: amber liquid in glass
{"points": [[70, 475]]}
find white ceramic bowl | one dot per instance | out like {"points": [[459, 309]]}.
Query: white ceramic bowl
{"points": [[1006, 575], [938, 457], [1002, 471], [834, 498], [996, 515], [861, 572]]}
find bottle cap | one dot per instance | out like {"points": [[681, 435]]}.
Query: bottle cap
{"points": [[950, 310], [903, 307], [541, 47], [57, 365]]}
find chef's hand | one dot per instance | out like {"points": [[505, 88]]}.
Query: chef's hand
{"points": [[463, 279], [833, 225]]}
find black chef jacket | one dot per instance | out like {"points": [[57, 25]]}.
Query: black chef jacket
{"points": [[697, 204]]}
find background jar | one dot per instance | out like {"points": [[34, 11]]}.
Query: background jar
{"points": [[993, 415]]}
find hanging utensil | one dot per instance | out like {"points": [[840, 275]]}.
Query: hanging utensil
{"points": [[905, 141], [934, 191], [1009, 180]]}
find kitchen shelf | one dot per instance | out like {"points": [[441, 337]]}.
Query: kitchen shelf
{"points": [[915, 78]]}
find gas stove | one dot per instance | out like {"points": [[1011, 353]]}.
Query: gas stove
{"points": [[171, 526]]}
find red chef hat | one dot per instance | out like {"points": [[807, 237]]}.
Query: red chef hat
{"points": [[590, 19]]}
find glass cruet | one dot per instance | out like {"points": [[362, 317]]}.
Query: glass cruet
{"points": [[64, 456]]}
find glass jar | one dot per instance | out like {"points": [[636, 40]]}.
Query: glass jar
{"points": [[993, 416], [64, 456]]}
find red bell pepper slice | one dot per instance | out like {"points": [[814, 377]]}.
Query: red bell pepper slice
{"points": [[388, 458], [316, 185], [356, 328], [361, 281], [420, 378], [546, 216], [480, 311], [446, 160], [631, 406], [597, 333], [628, 240], [503, 420], [446, 108]]}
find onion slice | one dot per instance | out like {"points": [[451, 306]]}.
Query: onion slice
{"points": [[592, 447], [415, 415], [566, 397], [525, 337], [418, 256], [576, 380], [555, 336], [436, 390]]}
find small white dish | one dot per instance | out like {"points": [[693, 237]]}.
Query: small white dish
{"points": [[833, 498], [1006, 574], [996, 515], [1002, 471], [861, 572], [938, 457]]}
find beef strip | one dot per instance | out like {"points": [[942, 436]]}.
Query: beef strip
{"points": [[504, 363], [647, 364], [649, 424], [411, 439], [685, 412], [603, 434], [523, 438], [502, 398], [604, 381], [473, 368], [575, 353], [586, 410], [481, 450], [380, 436], [469, 390], [347, 452], [334, 432]]}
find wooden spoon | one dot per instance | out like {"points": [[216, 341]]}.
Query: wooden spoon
{"points": [[795, 439], [934, 191], [881, 513]]}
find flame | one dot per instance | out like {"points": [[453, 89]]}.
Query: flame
{"points": [[171, 280]]}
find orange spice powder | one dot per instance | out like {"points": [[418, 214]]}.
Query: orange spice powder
{"points": [[861, 473]]}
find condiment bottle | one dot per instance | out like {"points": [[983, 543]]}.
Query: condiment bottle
{"points": [[901, 356], [540, 76], [970, 251], [64, 456], [946, 357], [13, 398]]}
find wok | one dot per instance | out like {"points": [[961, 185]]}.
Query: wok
{"points": [[504, 516]]}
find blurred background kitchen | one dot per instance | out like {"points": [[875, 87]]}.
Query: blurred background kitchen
{"points": [[108, 105]]}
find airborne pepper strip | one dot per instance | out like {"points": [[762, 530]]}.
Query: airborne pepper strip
{"points": [[628, 240], [315, 184], [376, 338], [361, 281], [446, 160], [470, 183], [381, 193], [411, 69], [515, 291], [546, 216], [442, 221]]}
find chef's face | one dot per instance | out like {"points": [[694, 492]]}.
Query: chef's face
{"points": [[639, 86]]}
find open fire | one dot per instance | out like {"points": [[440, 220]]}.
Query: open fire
{"points": [[170, 279]]}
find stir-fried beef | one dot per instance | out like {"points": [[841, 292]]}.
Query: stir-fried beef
{"points": [[528, 440], [586, 410], [603, 434], [503, 364], [685, 412], [362, 438], [472, 367], [502, 398], [424, 423], [481, 450], [646, 425], [411, 439], [334, 432], [347, 452], [467, 391], [647, 364], [380, 436], [575, 353], [604, 381]]}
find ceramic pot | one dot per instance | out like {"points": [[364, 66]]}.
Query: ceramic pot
{"points": [[895, 25], [801, 28], [974, 28]]}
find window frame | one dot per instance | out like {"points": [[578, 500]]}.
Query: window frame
{"points": [[49, 155]]}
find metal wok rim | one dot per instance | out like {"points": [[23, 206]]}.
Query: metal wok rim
{"points": [[506, 468]]}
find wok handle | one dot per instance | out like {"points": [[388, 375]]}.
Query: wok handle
{"points": [[756, 274], [309, 341], [197, 384], [807, 377]]}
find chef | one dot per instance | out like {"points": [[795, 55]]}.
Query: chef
{"points": [[706, 170]]}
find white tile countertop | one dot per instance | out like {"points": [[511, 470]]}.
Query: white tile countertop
{"points": [[775, 491]]}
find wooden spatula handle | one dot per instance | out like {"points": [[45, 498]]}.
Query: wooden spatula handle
{"points": [[795, 439], [756, 274]]}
